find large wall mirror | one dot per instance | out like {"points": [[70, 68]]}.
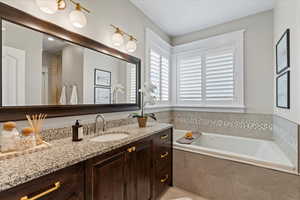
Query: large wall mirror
{"points": [[44, 72]]}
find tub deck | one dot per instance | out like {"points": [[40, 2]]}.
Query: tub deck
{"points": [[263, 153]]}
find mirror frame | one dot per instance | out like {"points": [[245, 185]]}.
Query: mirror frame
{"points": [[19, 17]]}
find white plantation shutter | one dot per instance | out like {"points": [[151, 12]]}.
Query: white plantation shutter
{"points": [[155, 71], [159, 75], [219, 84], [207, 78], [190, 79], [133, 85], [164, 79]]}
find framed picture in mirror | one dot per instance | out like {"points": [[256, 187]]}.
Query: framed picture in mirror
{"points": [[102, 95], [283, 90], [283, 52], [102, 78]]}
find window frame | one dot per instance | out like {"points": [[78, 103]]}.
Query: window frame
{"points": [[158, 45], [234, 41]]}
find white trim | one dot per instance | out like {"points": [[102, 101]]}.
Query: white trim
{"points": [[226, 39], [212, 108], [160, 46]]}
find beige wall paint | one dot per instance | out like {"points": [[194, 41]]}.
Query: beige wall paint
{"points": [[287, 15], [258, 57]]}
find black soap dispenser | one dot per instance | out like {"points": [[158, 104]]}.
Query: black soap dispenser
{"points": [[77, 131]]}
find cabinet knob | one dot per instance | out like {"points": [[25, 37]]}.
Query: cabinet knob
{"points": [[164, 179], [56, 187], [131, 149], [164, 155]]}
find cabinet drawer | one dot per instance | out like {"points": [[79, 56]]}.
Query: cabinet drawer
{"points": [[163, 137], [163, 156], [163, 180], [66, 184]]}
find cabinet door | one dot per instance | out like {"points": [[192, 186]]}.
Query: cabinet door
{"points": [[144, 171], [65, 184], [106, 178], [139, 172]]}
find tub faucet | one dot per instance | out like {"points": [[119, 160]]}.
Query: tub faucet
{"points": [[103, 123]]}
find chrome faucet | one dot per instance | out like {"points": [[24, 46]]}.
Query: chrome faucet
{"points": [[103, 123]]}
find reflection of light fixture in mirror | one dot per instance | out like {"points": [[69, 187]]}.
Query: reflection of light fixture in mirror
{"points": [[47, 6], [131, 45], [61, 4], [77, 17], [117, 38], [50, 38]]}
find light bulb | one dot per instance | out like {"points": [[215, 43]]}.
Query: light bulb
{"points": [[47, 6], [61, 4], [117, 38], [77, 17], [131, 45]]}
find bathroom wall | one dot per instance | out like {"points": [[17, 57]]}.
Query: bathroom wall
{"points": [[285, 134], [33, 48], [258, 57], [287, 15], [72, 70], [236, 124], [93, 60]]}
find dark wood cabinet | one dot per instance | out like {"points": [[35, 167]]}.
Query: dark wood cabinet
{"points": [[139, 171], [105, 178], [143, 170], [163, 155], [125, 175], [66, 184]]}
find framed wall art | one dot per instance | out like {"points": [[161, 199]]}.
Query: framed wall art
{"points": [[283, 52], [283, 90], [102, 78]]}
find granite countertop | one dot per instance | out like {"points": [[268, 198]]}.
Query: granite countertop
{"points": [[64, 153]]}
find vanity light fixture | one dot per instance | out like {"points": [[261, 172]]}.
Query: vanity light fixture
{"points": [[77, 16], [61, 4], [131, 44], [118, 39], [47, 6], [50, 38]]}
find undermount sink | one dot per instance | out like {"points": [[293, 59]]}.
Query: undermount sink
{"points": [[109, 137]]}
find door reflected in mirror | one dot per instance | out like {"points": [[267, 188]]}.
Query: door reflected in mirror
{"points": [[38, 69]]}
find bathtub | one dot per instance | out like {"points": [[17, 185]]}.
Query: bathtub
{"points": [[263, 153]]}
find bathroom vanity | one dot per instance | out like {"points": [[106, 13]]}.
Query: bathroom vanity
{"points": [[136, 168]]}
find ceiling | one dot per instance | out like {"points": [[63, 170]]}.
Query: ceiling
{"points": [[179, 17]]}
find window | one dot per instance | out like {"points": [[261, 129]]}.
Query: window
{"points": [[158, 56], [159, 75], [210, 74], [131, 81], [207, 78]]}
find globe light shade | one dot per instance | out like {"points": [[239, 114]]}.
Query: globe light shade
{"points": [[47, 6], [117, 39], [78, 19], [61, 4], [131, 46]]}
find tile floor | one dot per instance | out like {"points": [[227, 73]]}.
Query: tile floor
{"points": [[175, 193]]}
